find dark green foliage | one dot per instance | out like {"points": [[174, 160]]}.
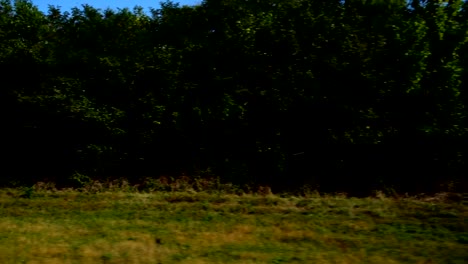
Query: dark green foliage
{"points": [[344, 95]]}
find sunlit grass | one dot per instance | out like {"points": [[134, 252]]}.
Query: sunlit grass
{"points": [[115, 226]]}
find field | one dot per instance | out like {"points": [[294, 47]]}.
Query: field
{"points": [[45, 225]]}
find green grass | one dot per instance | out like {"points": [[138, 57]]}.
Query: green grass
{"points": [[44, 225]]}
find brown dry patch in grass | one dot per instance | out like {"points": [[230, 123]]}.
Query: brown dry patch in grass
{"points": [[50, 251], [295, 236], [142, 250], [360, 225], [238, 234]]}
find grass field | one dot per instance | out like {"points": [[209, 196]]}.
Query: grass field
{"points": [[44, 225]]}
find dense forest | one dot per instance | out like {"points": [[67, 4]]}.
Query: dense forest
{"points": [[341, 95]]}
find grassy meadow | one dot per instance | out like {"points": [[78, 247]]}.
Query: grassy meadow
{"points": [[121, 224]]}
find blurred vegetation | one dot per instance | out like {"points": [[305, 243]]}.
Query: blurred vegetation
{"points": [[112, 222], [343, 95]]}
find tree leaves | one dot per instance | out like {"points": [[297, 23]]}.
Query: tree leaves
{"points": [[247, 81]]}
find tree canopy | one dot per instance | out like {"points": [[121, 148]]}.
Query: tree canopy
{"points": [[339, 94]]}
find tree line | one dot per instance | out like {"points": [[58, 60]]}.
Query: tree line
{"points": [[341, 95]]}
